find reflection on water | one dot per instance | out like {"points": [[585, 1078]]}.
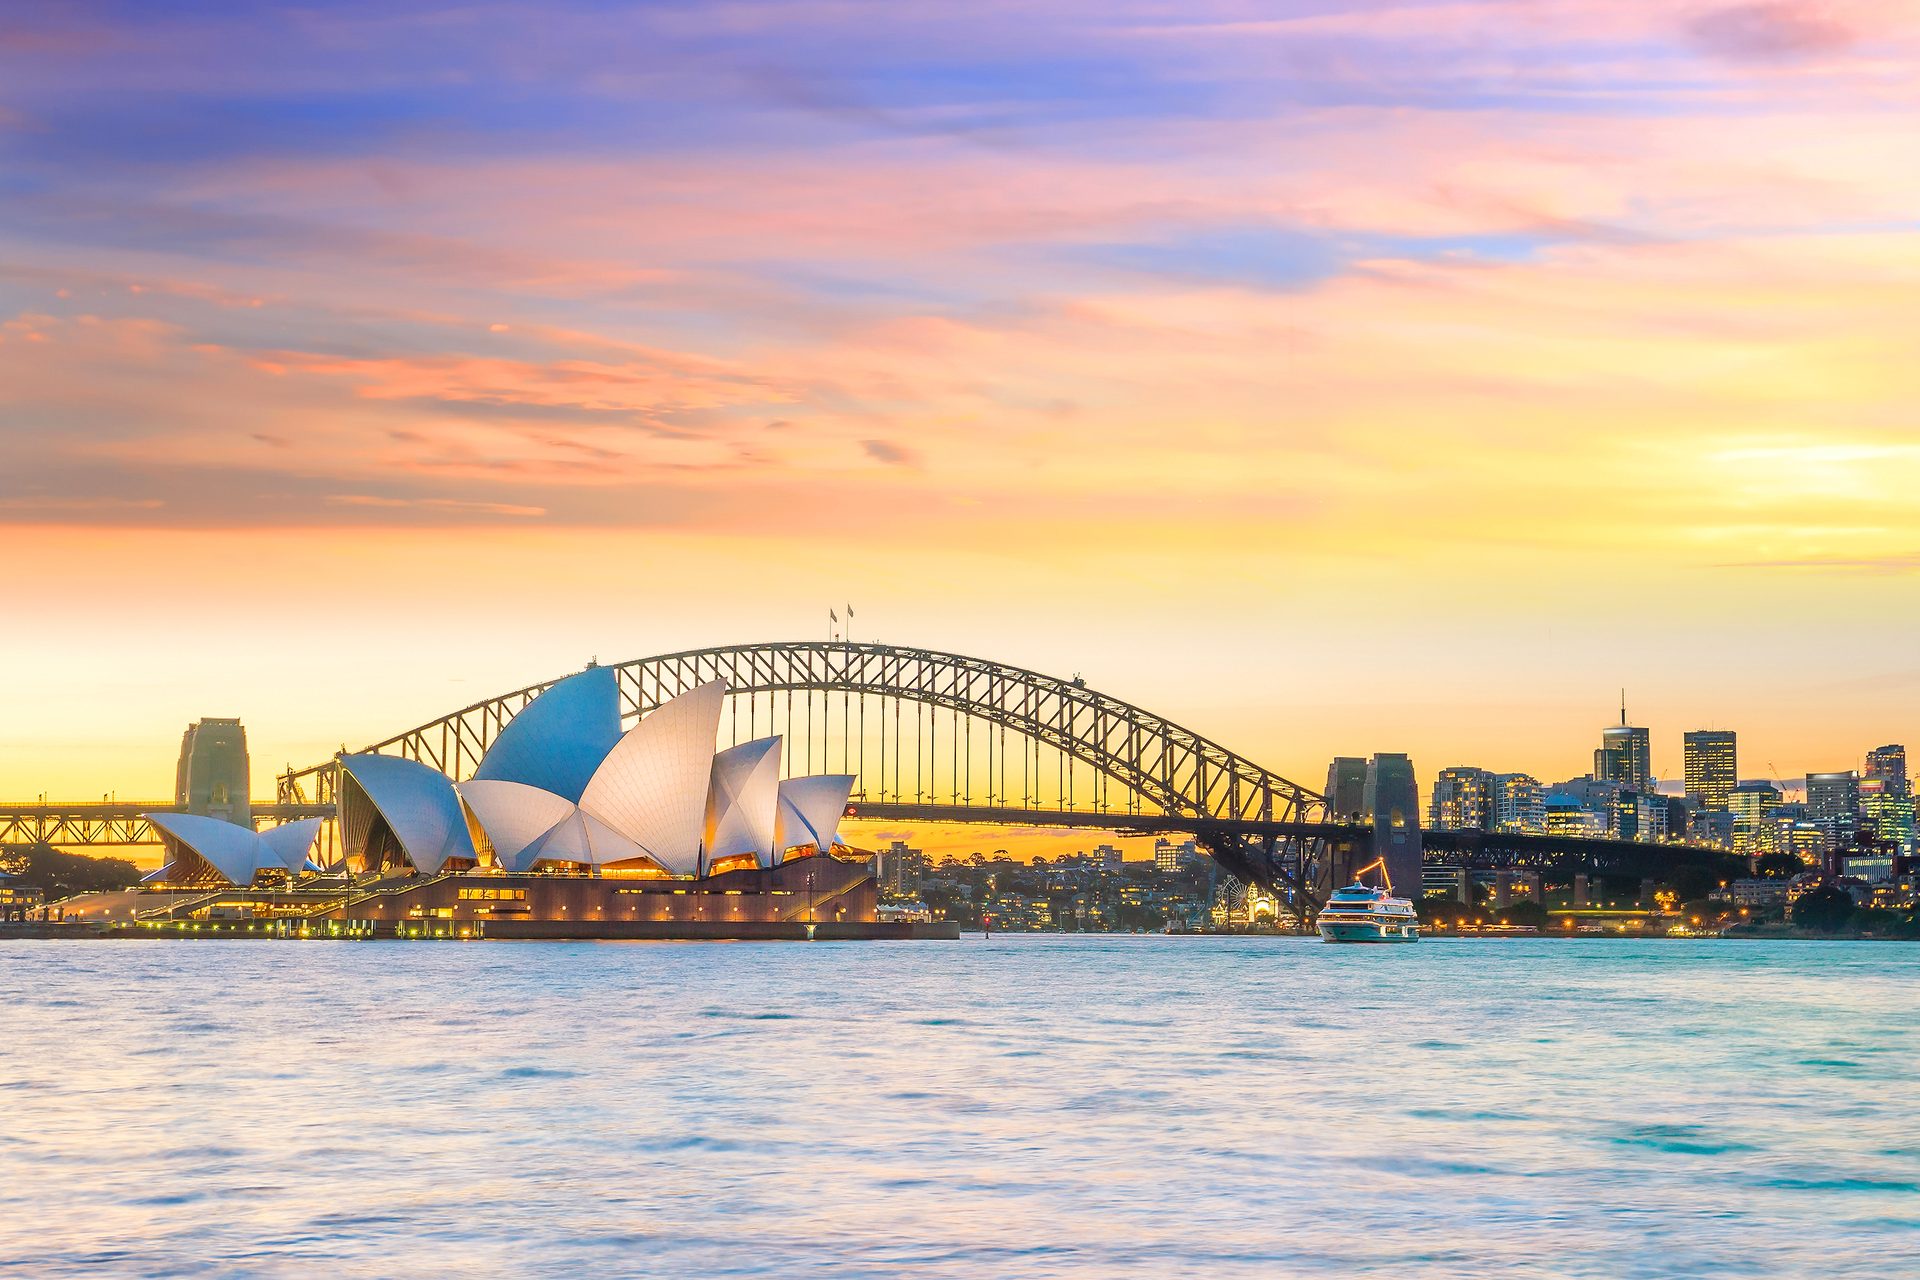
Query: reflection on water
{"points": [[1013, 1107]]}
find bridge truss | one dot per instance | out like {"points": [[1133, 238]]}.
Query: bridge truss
{"points": [[115, 824], [943, 737]]}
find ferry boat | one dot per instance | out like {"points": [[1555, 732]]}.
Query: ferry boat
{"points": [[1362, 913]]}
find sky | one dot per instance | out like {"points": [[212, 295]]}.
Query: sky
{"points": [[1329, 377]]}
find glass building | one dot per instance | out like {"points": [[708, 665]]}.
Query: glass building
{"points": [[1625, 755], [1833, 802], [1751, 803], [1711, 767]]}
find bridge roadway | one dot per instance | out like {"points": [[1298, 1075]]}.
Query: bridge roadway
{"points": [[1479, 849], [122, 824]]}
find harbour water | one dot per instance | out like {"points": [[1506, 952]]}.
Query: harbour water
{"points": [[1020, 1106]]}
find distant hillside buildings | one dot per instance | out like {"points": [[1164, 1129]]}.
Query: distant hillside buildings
{"points": [[1848, 819]]}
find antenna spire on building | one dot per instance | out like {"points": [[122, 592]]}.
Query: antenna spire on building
{"points": [[1623, 706]]}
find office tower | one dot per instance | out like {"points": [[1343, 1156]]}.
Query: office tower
{"points": [[1710, 828], [1710, 767], [1640, 815], [1625, 755], [1519, 804], [1889, 762], [1346, 788], [1462, 800], [1886, 810], [1833, 802], [213, 776], [1752, 803], [1565, 815]]}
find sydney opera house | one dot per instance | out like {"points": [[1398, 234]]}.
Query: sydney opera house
{"points": [[568, 827]]}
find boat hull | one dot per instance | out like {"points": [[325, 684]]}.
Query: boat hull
{"points": [[1367, 931]]}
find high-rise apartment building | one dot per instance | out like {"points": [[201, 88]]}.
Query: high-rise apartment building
{"points": [[1170, 857], [1711, 767], [1462, 800], [899, 869], [1519, 804]]}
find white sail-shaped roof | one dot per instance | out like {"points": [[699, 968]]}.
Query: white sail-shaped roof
{"points": [[810, 811], [515, 816], [741, 798], [203, 849], [291, 842], [558, 740], [652, 787], [415, 803], [581, 837]]}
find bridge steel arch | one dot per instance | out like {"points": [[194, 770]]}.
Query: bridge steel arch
{"points": [[1252, 820]]}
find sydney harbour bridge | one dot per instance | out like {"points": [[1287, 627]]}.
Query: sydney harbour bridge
{"points": [[941, 737]]}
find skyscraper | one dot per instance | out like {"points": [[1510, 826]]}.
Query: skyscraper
{"points": [[1833, 802], [1751, 803], [1462, 800], [1889, 762], [1625, 755], [1885, 809], [1711, 767]]}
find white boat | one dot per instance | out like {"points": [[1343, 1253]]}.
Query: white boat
{"points": [[1362, 913]]}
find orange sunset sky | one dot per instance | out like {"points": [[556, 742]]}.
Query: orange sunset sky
{"points": [[1330, 377]]}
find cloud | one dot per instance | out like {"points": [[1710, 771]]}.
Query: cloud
{"points": [[890, 452], [453, 506], [1888, 564], [1780, 30]]}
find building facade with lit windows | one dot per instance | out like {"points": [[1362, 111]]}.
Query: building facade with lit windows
{"points": [[1833, 801], [1625, 754], [1751, 803], [1886, 810], [1519, 804], [1890, 763], [1461, 800], [1711, 763]]}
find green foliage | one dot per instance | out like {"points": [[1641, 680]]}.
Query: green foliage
{"points": [[61, 875], [1441, 910], [1698, 880], [1823, 910], [1525, 913], [1779, 866]]}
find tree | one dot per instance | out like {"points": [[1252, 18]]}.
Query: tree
{"points": [[61, 875], [1525, 913], [1823, 910], [1779, 866]]}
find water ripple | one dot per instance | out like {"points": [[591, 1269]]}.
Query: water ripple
{"points": [[1032, 1107]]}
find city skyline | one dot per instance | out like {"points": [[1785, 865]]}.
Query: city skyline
{"points": [[1273, 372]]}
